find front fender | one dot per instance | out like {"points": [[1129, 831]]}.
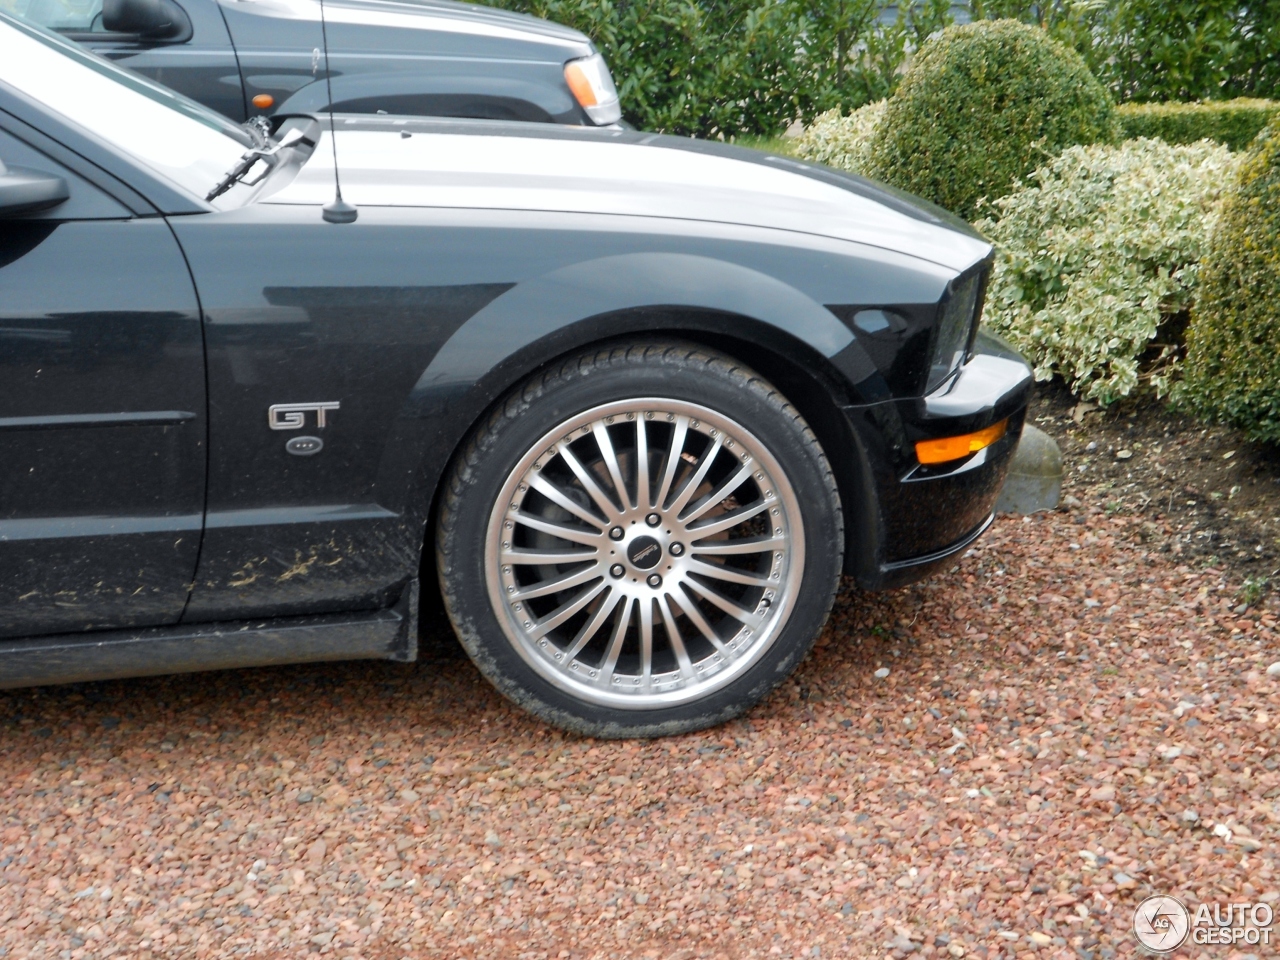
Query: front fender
{"points": [[588, 302], [539, 308]]}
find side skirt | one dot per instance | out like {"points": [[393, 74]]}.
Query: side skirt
{"points": [[390, 634]]}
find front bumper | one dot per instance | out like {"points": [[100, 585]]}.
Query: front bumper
{"points": [[914, 518]]}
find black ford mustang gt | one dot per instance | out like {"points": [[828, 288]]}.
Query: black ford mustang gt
{"points": [[259, 58], [629, 404]]}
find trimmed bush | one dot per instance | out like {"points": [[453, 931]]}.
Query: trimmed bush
{"points": [[1233, 122], [840, 141], [1233, 342], [981, 107], [1096, 251]]}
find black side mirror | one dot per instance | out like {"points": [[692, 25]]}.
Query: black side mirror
{"points": [[149, 19], [23, 190]]}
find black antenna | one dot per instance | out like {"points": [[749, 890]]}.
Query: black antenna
{"points": [[338, 211]]}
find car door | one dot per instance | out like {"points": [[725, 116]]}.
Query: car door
{"points": [[193, 55], [102, 408]]}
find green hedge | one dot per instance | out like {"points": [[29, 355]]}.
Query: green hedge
{"points": [[1233, 122], [981, 107], [1163, 50], [724, 68], [733, 67], [1233, 341]]}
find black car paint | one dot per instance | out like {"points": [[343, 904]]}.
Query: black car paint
{"points": [[102, 426], [442, 59], [415, 320]]}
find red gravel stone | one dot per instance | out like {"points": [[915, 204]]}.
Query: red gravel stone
{"points": [[1067, 719]]}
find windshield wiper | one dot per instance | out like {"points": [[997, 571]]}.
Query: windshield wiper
{"points": [[246, 162]]}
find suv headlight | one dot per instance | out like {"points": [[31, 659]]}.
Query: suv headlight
{"points": [[955, 328], [592, 86]]}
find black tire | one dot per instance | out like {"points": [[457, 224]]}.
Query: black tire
{"points": [[686, 374]]}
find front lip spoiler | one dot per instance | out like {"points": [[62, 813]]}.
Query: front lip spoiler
{"points": [[901, 572]]}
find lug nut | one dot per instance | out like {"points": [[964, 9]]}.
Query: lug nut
{"points": [[653, 519], [615, 533], [654, 580], [676, 549], [617, 570]]}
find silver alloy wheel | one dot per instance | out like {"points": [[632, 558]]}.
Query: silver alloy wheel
{"points": [[644, 553]]}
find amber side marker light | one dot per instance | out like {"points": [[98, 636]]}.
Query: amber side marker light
{"points": [[263, 100], [580, 84], [947, 449]]}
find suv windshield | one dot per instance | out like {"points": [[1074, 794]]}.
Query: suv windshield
{"points": [[177, 138]]}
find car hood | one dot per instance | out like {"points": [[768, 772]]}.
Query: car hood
{"points": [[469, 15], [435, 20], [485, 165]]}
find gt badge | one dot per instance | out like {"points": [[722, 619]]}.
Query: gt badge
{"points": [[293, 416]]}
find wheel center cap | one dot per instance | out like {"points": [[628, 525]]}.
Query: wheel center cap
{"points": [[644, 552]]}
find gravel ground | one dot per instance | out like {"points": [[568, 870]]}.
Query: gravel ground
{"points": [[1208, 495], [1069, 722]]}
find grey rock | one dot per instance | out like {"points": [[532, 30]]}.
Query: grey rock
{"points": [[1034, 481]]}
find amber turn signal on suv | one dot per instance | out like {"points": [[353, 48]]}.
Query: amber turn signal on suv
{"points": [[593, 88]]}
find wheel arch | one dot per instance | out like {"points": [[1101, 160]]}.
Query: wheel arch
{"points": [[802, 373]]}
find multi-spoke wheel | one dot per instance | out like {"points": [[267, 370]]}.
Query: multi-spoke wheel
{"points": [[651, 562]]}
